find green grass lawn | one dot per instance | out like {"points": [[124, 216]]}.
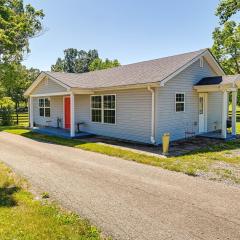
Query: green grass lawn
{"points": [[217, 162], [24, 218]]}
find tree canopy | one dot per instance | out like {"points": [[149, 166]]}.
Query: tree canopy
{"points": [[98, 64], [18, 23], [80, 61], [226, 46], [15, 79], [226, 9]]}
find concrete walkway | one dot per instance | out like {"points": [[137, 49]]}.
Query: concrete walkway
{"points": [[125, 199]]}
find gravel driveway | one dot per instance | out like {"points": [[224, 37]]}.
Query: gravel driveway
{"points": [[125, 199]]}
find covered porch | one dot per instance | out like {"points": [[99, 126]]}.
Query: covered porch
{"points": [[225, 88], [55, 114]]}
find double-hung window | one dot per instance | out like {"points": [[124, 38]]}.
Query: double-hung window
{"points": [[103, 109], [44, 107], [180, 102]]}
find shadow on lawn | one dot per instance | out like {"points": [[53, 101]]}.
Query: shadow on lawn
{"points": [[6, 196]]}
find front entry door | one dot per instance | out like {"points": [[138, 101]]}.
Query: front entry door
{"points": [[67, 113], [202, 112]]}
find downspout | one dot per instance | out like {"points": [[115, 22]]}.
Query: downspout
{"points": [[153, 140]]}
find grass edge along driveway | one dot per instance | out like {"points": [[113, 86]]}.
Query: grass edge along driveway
{"points": [[205, 162], [24, 217]]}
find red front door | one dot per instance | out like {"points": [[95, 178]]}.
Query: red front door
{"points": [[67, 112]]}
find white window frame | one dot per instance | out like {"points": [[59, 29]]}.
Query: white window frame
{"points": [[91, 108], [102, 108], [184, 105], [44, 107]]}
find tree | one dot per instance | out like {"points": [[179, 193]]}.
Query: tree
{"points": [[75, 61], [99, 64], [226, 47], [226, 9], [18, 23], [14, 80], [6, 109]]}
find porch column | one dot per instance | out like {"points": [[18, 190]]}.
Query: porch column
{"points": [[224, 114], [234, 109], [30, 107], [72, 101]]}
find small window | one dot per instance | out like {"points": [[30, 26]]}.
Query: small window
{"points": [[44, 107], [103, 109], [109, 109], [96, 102], [180, 102]]}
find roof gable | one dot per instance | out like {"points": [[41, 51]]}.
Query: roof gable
{"points": [[157, 71]]}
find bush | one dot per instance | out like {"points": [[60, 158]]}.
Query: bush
{"points": [[7, 109]]}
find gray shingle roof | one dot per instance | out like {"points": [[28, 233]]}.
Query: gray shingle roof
{"points": [[222, 80], [138, 73]]}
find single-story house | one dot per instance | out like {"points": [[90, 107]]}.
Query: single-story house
{"points": [[183, 95]]}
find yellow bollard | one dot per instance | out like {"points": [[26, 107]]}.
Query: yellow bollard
{"points": [[165, 142]]}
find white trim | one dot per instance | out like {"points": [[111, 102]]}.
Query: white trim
{"points": [[31, 112], [206, 54], [205, 111], [234, 114], [224, 115], [72, 114], [184, 102], [40, 78], [44, 107], [153, 140], [50, 94], [102, 108]]}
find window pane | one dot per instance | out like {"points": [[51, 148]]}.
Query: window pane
{"points": [[47, 112], [96, 115], [96, 101], [41, 112], [179, 107], [47, 102], [41, 102], [109, 116], [179, 97], [109, 101]]}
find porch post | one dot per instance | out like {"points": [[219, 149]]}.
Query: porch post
{"points": [[30, 107], [72, 101], [224, 114], [234, 109]]}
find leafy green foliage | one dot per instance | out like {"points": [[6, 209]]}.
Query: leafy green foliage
{"points": [[15, 79], [99, 64], [226, 47], [18, 23], [226, 9], [75, 61], [6, 110]]}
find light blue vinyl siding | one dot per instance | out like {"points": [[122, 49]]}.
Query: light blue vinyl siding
{"points": [[133, 115], [214, 111], [50, 87], [177, 123], [56, 104]]}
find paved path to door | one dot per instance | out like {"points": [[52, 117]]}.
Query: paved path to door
{"points": [[125, 199]]}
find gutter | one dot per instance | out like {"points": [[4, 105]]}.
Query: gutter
{"points": [[153, 140]]}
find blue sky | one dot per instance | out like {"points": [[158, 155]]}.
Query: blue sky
{"points": [[129, 30]]}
